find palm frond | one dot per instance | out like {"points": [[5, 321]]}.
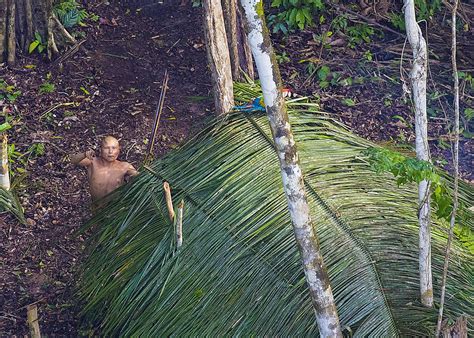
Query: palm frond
{"points": [[238, 271], [9, 203]]}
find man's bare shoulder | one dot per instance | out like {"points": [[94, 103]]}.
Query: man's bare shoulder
{"points": [[128, 168]]}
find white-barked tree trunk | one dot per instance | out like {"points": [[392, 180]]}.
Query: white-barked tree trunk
{"points": [[269, 75], [418, 83]]}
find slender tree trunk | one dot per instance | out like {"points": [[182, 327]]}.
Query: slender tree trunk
{"points": [[455, 163], [230, 20], [29, 22], [315, 271], [218, 56], [418, 81], [4, 172], [11, 36], [246, 59], [3, 28]]}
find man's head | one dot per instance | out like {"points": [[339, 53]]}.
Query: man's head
{"points": [[110, 149]]}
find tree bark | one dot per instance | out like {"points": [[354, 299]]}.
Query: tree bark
{"points": [[230, 20], [218, 56], [11, 36], [315, 271], [29, 21], [246, 59], [3, 28], [418, 81]]}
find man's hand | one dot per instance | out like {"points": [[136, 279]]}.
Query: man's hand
{"points": [[90, 154], [83, 159]]}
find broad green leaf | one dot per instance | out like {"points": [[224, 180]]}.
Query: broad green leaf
{"points": [[33, 46]]}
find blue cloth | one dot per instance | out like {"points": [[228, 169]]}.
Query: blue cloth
{"points": [[256, 105]]}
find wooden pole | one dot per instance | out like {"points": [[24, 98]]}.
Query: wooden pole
{"points": [[169, 201], [33, 324], [4, 171], [156, 122], [179, 225]]}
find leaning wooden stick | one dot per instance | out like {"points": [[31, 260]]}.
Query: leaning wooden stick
{"points": [[169, 201], [156, 122], [179, 225], [32, 316]]}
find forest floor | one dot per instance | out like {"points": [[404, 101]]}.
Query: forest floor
{"points": [[111, 87]]}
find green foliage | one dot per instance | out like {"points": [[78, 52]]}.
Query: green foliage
{"points": [[47, 87], [359, 33], [37, 44], [9, 203], [37, 149], [4, 126], [8, 92], [425, 10], [349, 102], [411, 170], [294, 14], [239, 272], [325, 76], [70, 14], [283, 58], [468, 78]]}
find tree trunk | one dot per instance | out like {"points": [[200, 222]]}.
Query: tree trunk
{"points": [[230, 20], [20, 19], [462, 330], [245, 54], [418, 82], [3, 28], [11, 36], [218, 56], [315, 271]]}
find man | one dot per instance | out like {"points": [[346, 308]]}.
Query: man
{"points": [[105, 173]]}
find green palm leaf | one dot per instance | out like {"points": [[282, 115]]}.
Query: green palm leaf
{"points": [[239, 271], [9, 203]]}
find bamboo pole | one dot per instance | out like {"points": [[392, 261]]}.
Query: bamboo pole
{"points": [[33, 323], [179, 225], [169, 201], [4, 171]]}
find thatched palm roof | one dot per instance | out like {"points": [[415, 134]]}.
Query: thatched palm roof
{"points": [[239, 271]]}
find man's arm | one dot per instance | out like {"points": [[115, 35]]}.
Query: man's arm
{"points": [[83, 159], [131, 171]]}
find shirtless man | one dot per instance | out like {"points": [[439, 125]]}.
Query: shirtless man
{"points": [[105, 173]]}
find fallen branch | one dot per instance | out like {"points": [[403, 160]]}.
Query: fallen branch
{"points": [[63, 30]]}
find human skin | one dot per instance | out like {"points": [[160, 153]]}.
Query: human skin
{"points": [[105, 172]]}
